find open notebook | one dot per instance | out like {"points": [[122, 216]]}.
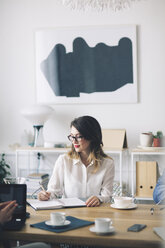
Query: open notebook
{"points": [[56, 203]]}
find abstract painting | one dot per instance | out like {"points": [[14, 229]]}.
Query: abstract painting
{"points": [[86, 65]]}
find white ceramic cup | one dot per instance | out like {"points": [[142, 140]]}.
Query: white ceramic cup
{"points": [[122, 201], [146, 139], [102, 224], [57, 218]]}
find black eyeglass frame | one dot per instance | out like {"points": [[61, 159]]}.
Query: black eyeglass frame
{"points": [[74, 138]]}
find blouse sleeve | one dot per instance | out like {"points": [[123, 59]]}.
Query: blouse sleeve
{"points": [[107, 185], [159, 191], [55, 185]]}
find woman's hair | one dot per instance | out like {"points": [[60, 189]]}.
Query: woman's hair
{"points": [[90, 129]]}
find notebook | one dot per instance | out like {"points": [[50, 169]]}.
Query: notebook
{"points": [[16, 192], [56, 203]]}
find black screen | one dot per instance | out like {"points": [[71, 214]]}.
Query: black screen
{"points": [[10, 192]]}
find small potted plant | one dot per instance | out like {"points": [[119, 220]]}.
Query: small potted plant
{"points": [[4, 168], [157, 139]]}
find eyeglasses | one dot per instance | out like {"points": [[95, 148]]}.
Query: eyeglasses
{"points": [[75, 138]]}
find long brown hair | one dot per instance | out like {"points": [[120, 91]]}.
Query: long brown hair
{"points": [[90, 129]]}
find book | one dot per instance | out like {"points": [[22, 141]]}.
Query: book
{"points": [[37, 182], [40, 176], [34, 182], [56, 203]]}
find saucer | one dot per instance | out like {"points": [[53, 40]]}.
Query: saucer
{"points": [[131, 206], [49, 223], [93, 229]]}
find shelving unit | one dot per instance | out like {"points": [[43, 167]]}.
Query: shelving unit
{"points": [[141, 152], [30, 150]]}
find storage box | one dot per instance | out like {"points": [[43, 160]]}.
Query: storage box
{"points": [[146, 178]]}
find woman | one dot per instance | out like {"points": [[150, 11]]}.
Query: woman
{"points": [[86, 171]]}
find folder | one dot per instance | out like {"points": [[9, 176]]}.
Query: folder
{"points": [[146, 178], [114, 139]]}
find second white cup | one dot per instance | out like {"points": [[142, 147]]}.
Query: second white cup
{"points": [[102, 224], [123, 201], [57, 218]]}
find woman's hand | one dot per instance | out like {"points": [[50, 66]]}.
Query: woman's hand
{"points": [[44, 196], [93, 201], [6, 211]]}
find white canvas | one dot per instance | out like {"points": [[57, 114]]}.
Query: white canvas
{"points": [[47, 39]]}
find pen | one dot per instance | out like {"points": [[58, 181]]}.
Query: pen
{"points": [[45, 190], [152, 211], [42, 187]]}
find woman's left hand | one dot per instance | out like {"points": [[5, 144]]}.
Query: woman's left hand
{"points": [[6, 211], [93, 201]]}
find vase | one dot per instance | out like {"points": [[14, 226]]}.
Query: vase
{"points": [[146, 139], [156, 142]]}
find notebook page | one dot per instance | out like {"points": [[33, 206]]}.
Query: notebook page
{"points": [[50, 204], [72, 202]]}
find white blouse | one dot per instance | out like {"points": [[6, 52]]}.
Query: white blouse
{"points": [[71, 178]]}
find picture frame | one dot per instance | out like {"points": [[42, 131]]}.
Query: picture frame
{"points": [[92, 64]]}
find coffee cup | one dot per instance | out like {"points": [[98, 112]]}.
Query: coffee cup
{"points": [[57, 218], [102, 224], [122, 201]]}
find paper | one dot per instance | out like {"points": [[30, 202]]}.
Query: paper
{"points": [[72, 202], [56, 203]]}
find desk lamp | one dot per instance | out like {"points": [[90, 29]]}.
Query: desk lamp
{"points": [[38, 115]]}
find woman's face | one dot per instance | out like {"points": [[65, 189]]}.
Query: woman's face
{"points": [[80, 144]]}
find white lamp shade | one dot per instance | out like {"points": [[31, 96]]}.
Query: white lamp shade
{"points": [[37, 114]]}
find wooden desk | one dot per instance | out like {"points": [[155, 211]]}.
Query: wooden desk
{"points": [[122, 219]]}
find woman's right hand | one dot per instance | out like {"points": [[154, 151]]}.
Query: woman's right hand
{"points": [[44, 196]]}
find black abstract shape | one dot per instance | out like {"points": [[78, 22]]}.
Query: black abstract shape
{"points": [[99, 69]]}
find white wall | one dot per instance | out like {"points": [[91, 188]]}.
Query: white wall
{"points": [[18, 21]]}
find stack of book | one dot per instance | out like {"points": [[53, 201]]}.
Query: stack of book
{"points": [[34, 182]]}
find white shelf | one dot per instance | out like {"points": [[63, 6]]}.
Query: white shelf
{"points": [[56, 149], [41, 149], [149, 151]]}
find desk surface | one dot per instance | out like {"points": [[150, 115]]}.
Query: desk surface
{"points": [[122, 219]]}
